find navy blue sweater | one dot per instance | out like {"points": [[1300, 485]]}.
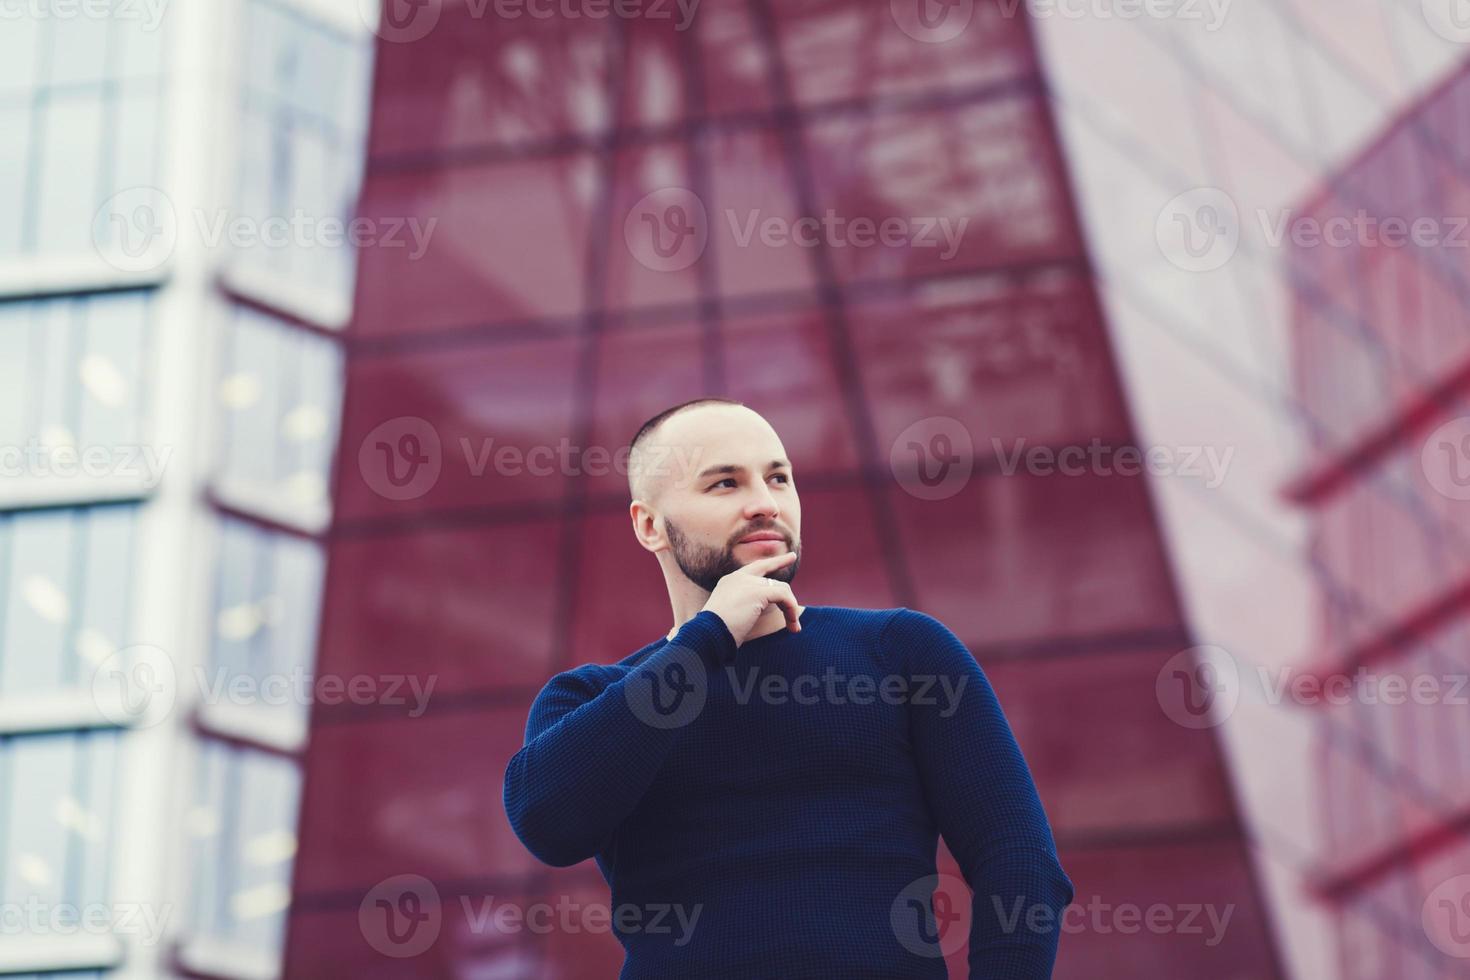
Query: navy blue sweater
{"points": [[772, 810]]}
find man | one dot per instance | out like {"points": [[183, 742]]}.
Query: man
{"points": [[767, 781]]}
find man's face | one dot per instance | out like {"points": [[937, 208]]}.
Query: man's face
{"points": [[740, 484]]}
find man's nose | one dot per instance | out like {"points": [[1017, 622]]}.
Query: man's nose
{"points": [[763, 503]]}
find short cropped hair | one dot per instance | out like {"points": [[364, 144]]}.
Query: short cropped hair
{"points": [[636, 485]]}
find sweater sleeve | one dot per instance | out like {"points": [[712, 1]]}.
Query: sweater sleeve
{"points": [[984, 801], [593, 745]]}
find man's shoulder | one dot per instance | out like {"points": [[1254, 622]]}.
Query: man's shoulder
{"points": [[860, 619]]}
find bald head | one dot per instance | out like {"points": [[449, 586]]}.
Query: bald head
{"points": [[671, 447]]}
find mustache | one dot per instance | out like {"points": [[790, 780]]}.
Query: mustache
{"points": [[785, 535]]}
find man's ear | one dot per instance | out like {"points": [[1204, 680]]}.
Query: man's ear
{"points": [[646, 527]]}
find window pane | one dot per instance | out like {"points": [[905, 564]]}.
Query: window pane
{"points": [[15, 148], [56, 794], [134, 157], [304, 93], [40, 602], [67, 575], [71, 165], [79, 100], [244, 828], [72, 374], [279, 396], [78, 47], [141, 42], [15, 319], [322, 70], [269, 593], [19, 43]]}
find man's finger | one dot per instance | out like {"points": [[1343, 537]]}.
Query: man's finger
{"points": [[762, 565], [786, 599]]}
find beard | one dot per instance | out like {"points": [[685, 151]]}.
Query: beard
{"points": [[705, 565]]}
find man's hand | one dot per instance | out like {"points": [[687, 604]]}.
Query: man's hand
{"points": [[742, 596]]}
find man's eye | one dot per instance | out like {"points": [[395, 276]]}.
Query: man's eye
{"points": [[730, 479]]}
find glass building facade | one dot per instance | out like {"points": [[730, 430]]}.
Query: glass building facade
{"points": [[321, 332], [602, 190], [1210, 149], [171, 367], [1380, 359]]}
